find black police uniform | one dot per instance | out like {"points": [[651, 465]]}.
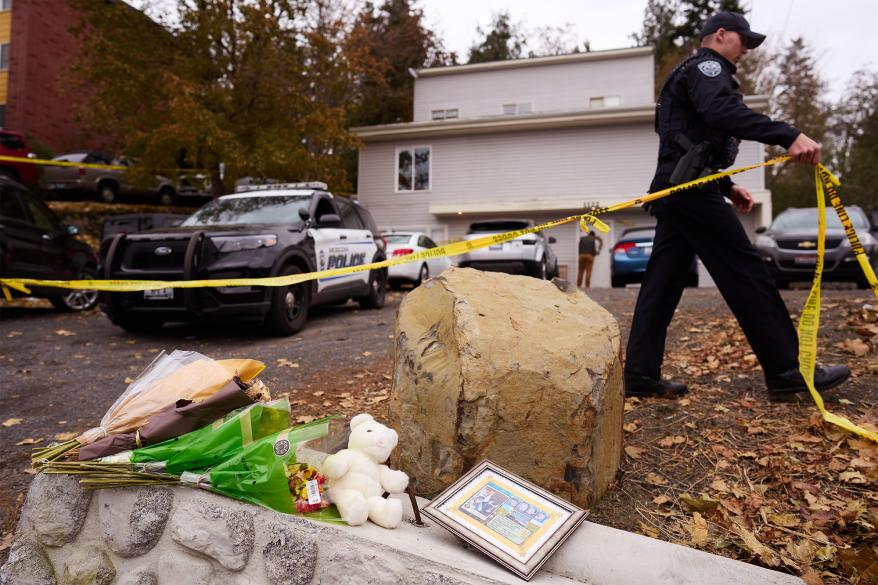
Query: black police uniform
{"points": [[700, 101]]}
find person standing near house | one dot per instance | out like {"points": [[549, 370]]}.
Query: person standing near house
{"points": [[700, 117], [589, 246]]}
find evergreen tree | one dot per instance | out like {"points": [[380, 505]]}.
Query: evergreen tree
{"points": [[798, 99], [503, 41], [856, 131]]}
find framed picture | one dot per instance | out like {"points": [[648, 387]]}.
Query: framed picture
{"points": [[511, 520]]}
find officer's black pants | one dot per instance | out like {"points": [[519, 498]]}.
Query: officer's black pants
{"points": [[700, 221]]}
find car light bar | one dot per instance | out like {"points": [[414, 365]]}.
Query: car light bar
{"points": [[317, 185]]}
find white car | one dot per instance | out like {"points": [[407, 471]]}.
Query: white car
{"points": [[405, 243], [529, 254]]}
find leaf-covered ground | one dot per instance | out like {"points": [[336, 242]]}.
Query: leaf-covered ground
{"points": [[723, 470]]}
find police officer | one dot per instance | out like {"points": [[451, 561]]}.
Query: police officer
{"points": [[700, 117]]}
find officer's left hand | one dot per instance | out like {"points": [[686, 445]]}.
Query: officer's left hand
{"points": [[741, 198]]}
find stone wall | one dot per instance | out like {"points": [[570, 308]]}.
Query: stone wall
{"points": [[183, 536]]}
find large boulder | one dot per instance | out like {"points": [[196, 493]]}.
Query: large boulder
{"points": [[521, 371]]}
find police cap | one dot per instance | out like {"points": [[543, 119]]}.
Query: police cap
{"points": [[734, 22]]}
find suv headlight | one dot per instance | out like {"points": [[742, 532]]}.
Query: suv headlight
{"points": [[238, 243], [764, 241]]}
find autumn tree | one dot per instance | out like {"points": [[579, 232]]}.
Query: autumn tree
{"points": [[503, 40], [387, 43], [255, 85]]}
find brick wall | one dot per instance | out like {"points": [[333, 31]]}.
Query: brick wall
{"points": [[41, 101]]}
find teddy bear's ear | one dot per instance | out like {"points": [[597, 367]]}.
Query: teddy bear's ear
{"points": [[360, 419]]}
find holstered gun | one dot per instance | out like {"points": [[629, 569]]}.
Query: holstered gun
{"points": [[694, 163]]}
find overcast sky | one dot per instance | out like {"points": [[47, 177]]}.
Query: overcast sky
{"points": [[842, 33]]}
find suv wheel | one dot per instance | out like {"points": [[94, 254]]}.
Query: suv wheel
{"points": [[374, 299], [289, 306], [617, 282], [77, 300], [167, 197], [424, 275], [107, 192]]}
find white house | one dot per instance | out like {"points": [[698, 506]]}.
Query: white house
{"points": [[532, 138]]}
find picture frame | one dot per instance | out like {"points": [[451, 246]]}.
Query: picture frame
{"points": [[515, 522]]}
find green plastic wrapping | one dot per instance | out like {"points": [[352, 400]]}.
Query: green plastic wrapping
{"points": [[257, 474], [211, 444]]}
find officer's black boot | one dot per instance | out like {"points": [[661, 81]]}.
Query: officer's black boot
{"points": [[784, 387], [643, 386]]}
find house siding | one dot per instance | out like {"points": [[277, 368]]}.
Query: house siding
{"points": [[606, 165], [550, 88]]}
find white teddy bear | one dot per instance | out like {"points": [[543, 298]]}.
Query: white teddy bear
{"points": [[357, 480]]}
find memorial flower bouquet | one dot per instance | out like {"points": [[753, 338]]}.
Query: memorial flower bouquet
{"points": [[265, 473], [178, 376]]}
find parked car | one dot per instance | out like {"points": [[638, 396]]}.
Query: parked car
{"points": [[35, 244], [272, 230], [529, 254], [631, 255], [404, 243], [789, 246], [14, 144], [106, 185]]}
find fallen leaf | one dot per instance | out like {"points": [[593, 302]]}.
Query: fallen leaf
{"points": [[11, 422], [655, 479], [647, 530], [702, 504], [284, 362], [630, 427], [14, 334], [753, 545], [698, 530], [720, 408], [66, 436], [852, 477], [634, 452], [6, 541], [812, 577], [367, 353], [305, 419], [670, 441], [129, 380], [30, 441], [785, 520], [732, 506], [857, 346], [318, 393], [684, 402], [719, 485], [64, 332], [661, 499]]}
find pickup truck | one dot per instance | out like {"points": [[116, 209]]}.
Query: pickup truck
{"points": [[14, 144]]}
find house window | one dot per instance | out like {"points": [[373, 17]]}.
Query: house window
{"points": [[6, 5], [513, 109], [605, 101], [4, 56], [444, 114], [413, 169]]}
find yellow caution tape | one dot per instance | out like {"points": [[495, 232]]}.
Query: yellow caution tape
{"points": [[809, 324], [452, 249], [78, 165]]}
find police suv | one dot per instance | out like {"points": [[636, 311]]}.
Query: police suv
{"points": [[267, 230]]}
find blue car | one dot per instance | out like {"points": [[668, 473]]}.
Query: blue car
{"points": [[631, 254]]}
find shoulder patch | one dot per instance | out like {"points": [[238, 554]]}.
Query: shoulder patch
{"points": [[710, 68]]}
